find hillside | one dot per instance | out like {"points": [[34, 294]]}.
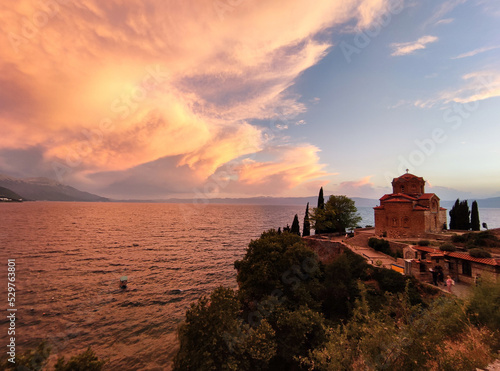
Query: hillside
{"points": [[7, 193], [44, 189]]}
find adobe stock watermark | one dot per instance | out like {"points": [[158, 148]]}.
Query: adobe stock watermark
{"points": [[363, 38], [30, 27], [425, 148], [123, 106]]}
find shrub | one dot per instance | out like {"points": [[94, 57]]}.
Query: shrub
{"points": [[368, 226], [479, 253], [470, 245], [423, 243], [447, 247], [458, 238]]}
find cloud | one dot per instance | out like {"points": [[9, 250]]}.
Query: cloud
{"points": [[109, 87], [444, 21], [360, 188], [476, 51], [477, 86], [412, 46], [441, 10]]}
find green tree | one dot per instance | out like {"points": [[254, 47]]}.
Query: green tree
{"points": [[86, 361], [460, 216], [295, 225], [321, 200], [297, 333], [453, 214], [339, 214], [474, 218], [464, 216], [279, 263], [319, 210], [306, 231], [214, 337]]}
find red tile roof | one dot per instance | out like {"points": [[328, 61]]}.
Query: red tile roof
{"points": [[408, 176], [427, 196], [420, 208], [458, 255]]}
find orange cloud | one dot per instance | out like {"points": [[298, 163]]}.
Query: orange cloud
{"points": [[108, 86]]}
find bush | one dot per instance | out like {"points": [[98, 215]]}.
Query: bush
{"points": [[383, 246], [423, 243], [479, 253], [447, 247], [83, 361], [470, 245], [458, 238]]}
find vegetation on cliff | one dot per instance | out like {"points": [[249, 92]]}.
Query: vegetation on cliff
{"points": [[291, 312]]}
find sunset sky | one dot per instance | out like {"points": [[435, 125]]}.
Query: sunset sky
{"points": [[242, 98]]}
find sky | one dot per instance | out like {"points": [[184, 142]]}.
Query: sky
{"points": [[244, 98]]}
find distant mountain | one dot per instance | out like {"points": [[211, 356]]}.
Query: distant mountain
{"points": [[44, 189], [360, 202], [486, 203], [7, 193]]}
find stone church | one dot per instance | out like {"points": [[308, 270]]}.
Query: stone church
{"points": [[408, 211]]}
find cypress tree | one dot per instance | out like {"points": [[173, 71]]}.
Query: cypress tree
{"points": [[318, 211], [306, 231], [475, 225], [463, 216], [453, 214], [295, 225], [321, 200]]}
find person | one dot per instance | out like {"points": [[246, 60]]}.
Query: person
{"points": [[449, 283], [440, 274], [434, 276]]}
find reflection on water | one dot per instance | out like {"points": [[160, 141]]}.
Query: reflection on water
{"points": [[70, 257]]}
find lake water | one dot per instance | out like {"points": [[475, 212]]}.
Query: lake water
{"points": [[70, 257]]}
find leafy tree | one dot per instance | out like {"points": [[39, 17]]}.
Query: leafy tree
{"points": [[280, 264], [297, 333], [86, 361], [214, 337], [295, 225], [306, 231], [474, 218], [339, 214]]}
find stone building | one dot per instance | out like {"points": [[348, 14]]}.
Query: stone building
{"points": [[408, 211], [419, 260]]}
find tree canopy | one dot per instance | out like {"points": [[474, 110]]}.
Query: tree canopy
{"points": [[339, 214], [460, 216]]}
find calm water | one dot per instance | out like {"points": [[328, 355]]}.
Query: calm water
{"points": [[70, 257]]}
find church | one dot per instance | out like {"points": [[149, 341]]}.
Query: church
{"points": [[408, 211]]}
